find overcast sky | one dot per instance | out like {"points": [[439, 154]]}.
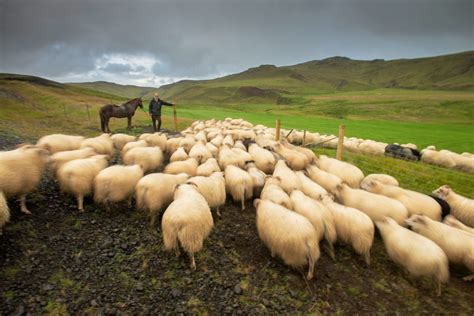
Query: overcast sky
{"points": [[155, 42]]}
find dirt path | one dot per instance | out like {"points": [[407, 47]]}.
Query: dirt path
{"points": [[59, 260]]}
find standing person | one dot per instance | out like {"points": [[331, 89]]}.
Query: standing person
{"points": [[155, 110]]}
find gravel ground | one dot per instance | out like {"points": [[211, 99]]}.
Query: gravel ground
{"points": [[59, 261]]}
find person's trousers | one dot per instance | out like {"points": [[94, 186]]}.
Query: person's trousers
{"points": [[155, 118]]}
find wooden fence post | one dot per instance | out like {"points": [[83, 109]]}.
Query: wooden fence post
{"points": [[64, 107], [277, 130], [340, 143], [175, 118], [304, 137], [88, 114]]}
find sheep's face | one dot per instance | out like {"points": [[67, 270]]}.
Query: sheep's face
{"points": [[371, 185], [326, 198], [442, 192], [416, 222]]}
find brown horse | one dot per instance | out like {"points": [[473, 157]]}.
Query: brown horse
{"points": [[125, 110]]}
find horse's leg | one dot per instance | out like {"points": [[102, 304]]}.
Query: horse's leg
{"points": [[129, 118], [107, 129]]}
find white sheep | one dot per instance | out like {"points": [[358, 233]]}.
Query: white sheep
{"points": [[264, 159], [239, 184], [120, 140], [212, 189], [380, 177], [217, 140], [131, 145], [305, 151], [213, 149], [116, 183], [416, 253], [295, 159], [149, 158], [319, 216], [240, 145], [102, 144], [353, 227], [434, 157], [288, 235], [179, 155], [415, 202], [4, 211], [77, 176], [309, 187], [155, 140], [461, 207], [187, 142], [21, 170], [208, 168], [289, 179], [325, 179], [457, 244], [453, 222], [374, 205], [155, 191], [345, 171], [200, 152], [228, 140], [258, 177], [187, 219], [272, 191], [60, 142], [61, 157], [232, 156], [172, 144], [188, 166]]}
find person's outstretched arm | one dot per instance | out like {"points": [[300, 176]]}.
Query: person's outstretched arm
{"points": [[167, 103]]}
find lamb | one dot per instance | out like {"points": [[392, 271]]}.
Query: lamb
{"points": [[457, 244], [60, 142], [319, 216], [187, 219], [272, 191], [288, 235], [77, 176], [325, 179], [289, 179], [155, 191], [258, 177], [149, 158], [21, 170], [239, 184], [131, 145], [208, 168], [4, 211], [296, 160], [416, 253], [309, 187], [453, 222], [188, 166], [200, 152], [264, 159], [461, 207], [415, 202], [60, 158], [212, 189], [116, 183], [347, 172], [374, 205], [380, 177], [120, 140], [102, 144], [179, 155], [353, 227]]}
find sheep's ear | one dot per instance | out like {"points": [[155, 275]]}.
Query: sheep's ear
{"points": [[278, 178], [339, 186]]}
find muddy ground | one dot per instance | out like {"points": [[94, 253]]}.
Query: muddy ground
{"points": [[59, 261]]}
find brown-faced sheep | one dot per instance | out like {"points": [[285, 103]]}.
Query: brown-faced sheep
{"points": [[188, 220], [288, 235]]}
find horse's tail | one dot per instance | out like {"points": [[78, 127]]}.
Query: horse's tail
{"points": [[102, 119]]}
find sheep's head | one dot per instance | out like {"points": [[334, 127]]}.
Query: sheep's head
{"points": [[442, 192], [326, 198], [384, 222], [370, 185], [416, 222]]}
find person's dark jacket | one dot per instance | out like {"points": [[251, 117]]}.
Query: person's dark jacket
{"points": [[155, 106]]}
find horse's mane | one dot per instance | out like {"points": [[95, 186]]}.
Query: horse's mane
{"points": [[130, 101]]}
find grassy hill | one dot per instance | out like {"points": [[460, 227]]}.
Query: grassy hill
{"points": [[297, 84], [126, 91]]}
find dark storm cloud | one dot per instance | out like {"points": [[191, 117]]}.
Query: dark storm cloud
{"points": [[177, 39]]}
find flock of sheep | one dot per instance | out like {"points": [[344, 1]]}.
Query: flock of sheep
{"points": [[301, 200], [443, 158]]}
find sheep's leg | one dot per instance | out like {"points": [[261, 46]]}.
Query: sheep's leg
{"points": [[218, 212], [153, 218], [367, 258], [130, 202], [469, 278], [310, 270], [80, 203], [193, 263], [329, 247], [23, 204], [176, 251], [438, 292], [243, 203], [107, 206]]}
